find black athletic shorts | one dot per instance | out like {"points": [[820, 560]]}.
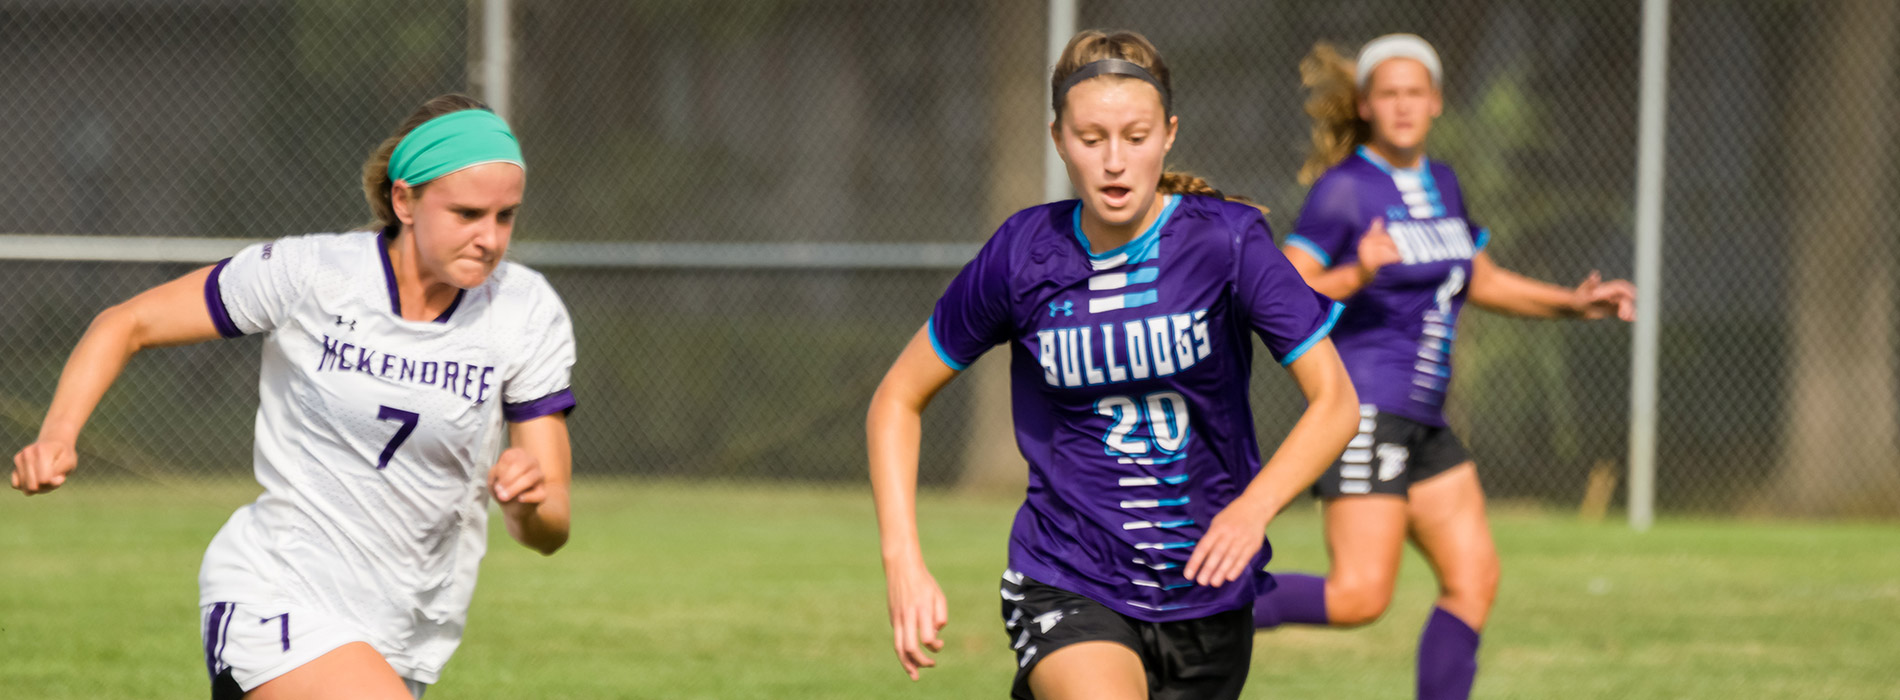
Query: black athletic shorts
{"points": [[1203, 658], [1388, 455]]}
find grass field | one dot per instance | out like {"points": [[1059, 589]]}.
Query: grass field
{"points": [[674, 590]]}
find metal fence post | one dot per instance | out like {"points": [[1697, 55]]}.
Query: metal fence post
{"points": [[497, 54], [1649, 203], [1055, 177]]}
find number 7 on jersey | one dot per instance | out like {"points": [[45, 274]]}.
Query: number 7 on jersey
{"points": [[409, 421]]}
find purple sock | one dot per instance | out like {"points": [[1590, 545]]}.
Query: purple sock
{"points": [[1447, 658], [1299, 599]]}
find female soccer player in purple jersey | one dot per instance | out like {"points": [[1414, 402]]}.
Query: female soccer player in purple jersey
{"points": [[1128, 314], [1386, 231], [396, 361]]}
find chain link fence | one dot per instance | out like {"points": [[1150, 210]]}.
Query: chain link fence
{"points": [[766, 123]]}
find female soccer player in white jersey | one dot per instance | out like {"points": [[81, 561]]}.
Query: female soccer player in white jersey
{"points": [[1386, 231], [396, 361], [1129, 315]]}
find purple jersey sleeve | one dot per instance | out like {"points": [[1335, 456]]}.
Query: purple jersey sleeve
{"points": [[1329, 227], [973, 314], [1287, 315]]}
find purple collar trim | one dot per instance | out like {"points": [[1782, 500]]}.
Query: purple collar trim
{"points": [[395, 298]]}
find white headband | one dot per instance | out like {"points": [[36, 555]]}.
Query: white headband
{"points": [[1393, 46]]}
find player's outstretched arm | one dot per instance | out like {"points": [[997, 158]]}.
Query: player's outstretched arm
{"points": [[1503, 291], [172, 313], [530, 480], [1330, 420], [893, 430]]}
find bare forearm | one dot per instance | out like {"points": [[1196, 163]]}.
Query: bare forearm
{"points": [[1503, 291], [893, 432], [541, 527], [1339, 283], [96, 362], [1315, 441]]}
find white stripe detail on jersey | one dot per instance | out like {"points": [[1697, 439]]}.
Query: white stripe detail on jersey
{"points": [[1113, 280], [1162, 566], [1110, 263]]}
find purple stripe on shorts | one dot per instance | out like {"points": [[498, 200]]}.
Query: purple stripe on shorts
{"points": [[558, 402], [224, 635], [214, 301], [212, 625]]}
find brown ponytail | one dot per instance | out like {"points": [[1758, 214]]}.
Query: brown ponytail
{"points": [[1174, 182], [1333, 104], [376, 182]]}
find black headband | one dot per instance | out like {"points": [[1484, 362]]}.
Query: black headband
{"points": [[1116, 66]]}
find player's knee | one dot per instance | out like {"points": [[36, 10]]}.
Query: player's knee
{"points": [[1354, 603], [1477, 586]]}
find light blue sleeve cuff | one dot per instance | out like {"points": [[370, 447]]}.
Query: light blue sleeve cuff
{"points": [[1484, 238], [1307, 246], [1332, 317], [930, 329]]}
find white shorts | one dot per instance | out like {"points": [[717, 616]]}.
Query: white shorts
{"points": [[257, 643]]}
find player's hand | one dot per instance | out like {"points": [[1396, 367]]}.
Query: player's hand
{"points": [[1376, 250], [1595, 298], [43, 466], [1228, 548], [516, 478], [918, 612]]}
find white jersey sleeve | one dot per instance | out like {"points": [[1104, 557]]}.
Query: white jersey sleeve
{"points": [[257, 290], [539, 382]]}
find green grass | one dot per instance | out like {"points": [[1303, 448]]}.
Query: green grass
{"points": [[673, 590]]}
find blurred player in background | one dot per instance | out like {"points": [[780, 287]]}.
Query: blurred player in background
{"points": [[1129, 316], [393, 360], [1386, 231]]}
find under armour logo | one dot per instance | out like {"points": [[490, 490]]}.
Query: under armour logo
{"points": [[351, 323], [1392, 461], [1067, 308]]}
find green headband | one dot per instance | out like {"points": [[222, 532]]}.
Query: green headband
{"points": [[452, 142]]}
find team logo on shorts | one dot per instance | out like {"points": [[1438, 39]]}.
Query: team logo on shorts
{"points": [[1392, 461]]}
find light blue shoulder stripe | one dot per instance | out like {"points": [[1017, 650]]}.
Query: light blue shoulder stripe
{"points": [[1310, 248], [930, 329], [1324, 329]]}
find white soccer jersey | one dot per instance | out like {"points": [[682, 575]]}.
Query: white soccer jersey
{"points": [[375, 436]]}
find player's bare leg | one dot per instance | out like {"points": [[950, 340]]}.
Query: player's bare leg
{"points": [[354, 671], [1364, 537], [1449, 526], [1090, 671]]}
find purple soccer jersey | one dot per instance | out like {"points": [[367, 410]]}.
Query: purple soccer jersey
{"points": [[1396, 334], [1128, 375]]}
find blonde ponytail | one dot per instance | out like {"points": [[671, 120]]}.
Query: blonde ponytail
{"points": [[1333, 104]]}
